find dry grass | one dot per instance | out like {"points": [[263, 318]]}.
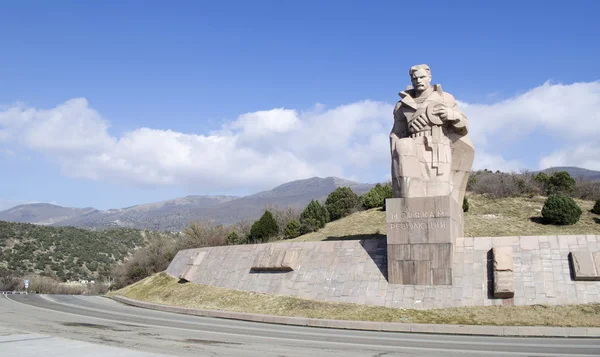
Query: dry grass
{"points": [[487, 217], [163, 289], [359, 225], [520, 216]]}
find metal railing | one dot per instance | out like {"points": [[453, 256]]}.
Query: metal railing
{"points": [[12, 292]]}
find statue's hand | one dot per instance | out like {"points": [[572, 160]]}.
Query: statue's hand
{"points": [[442, 111]]}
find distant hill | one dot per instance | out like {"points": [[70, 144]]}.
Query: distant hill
{"points": [[42, 213], [174, 215], [170, 215], [575, 172]]}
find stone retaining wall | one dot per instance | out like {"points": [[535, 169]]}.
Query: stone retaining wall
{"points": [[356, 271]]}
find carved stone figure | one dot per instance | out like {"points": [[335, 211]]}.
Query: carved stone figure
{"points": [[431, 151]]}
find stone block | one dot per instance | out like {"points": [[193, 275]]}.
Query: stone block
{"points": [[399, 251], [419, 252], [274, 260], [584, 266], [396, 233], [421, 232], [504, 284], [441, 256], [193, 265], [290, 258], [190, 272], [401, 272], [503, 258], [441, 276], [422, 273]]}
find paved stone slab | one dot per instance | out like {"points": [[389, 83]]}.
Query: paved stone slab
{"points": [[584, 267]]}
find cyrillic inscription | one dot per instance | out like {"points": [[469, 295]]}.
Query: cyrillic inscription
{"points": [[420, 225], [405, 215]]}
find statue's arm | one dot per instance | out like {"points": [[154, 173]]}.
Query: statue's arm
{"points": [[455, 115], [400, 129]]}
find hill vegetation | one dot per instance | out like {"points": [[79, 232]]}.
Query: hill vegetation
{"points": [[66, 253]]}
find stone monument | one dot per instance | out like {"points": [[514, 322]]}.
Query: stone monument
{"points": [[432, 156]]}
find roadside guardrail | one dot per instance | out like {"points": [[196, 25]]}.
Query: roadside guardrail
{"points": [[12, 292]]}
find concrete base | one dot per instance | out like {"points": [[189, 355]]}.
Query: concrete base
{"points": [[356, 271], [421, 232]]}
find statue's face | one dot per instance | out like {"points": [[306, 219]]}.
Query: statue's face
{"points": [[421, 80]]}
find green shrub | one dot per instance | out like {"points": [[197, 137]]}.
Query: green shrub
{"points": [[341, 202], [465, 204], [376, 196], [292, 229], [561, 210], [314, 217], [309, 225], [232, 238], [596, 208], [561, 182], [263, 229], [542, 178], [153, 258]]}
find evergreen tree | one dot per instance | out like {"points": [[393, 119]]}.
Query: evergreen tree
{"points": [[292, 229], [376, 196], [263, 229], [341, 202], [314, 217], [232, 238]]}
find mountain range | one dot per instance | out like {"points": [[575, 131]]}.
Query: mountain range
{"points": [[575, 172], [174, 215]]}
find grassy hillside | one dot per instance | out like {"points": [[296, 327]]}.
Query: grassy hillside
{"points": [[69, 252], [486, 218]]}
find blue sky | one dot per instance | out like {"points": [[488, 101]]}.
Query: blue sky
{"points": [[111, 104]]}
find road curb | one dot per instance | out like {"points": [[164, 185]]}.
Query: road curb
{"points": [[478, 330]]}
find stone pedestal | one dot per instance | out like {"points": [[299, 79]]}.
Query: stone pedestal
{"points": [[421, 232]]}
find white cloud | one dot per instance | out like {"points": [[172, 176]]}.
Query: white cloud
{"points": [[7, 153], [257, 150], [571, 110], [488, 161], [70, 127], [261, 149], [586, 155]]}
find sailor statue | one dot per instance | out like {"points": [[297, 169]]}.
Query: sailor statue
{"points": [[431, 152]]}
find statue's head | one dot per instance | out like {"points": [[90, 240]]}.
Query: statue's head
{"points": [[420, 76]]}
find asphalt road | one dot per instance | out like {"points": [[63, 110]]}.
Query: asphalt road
{"points": [[59, 325]]}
